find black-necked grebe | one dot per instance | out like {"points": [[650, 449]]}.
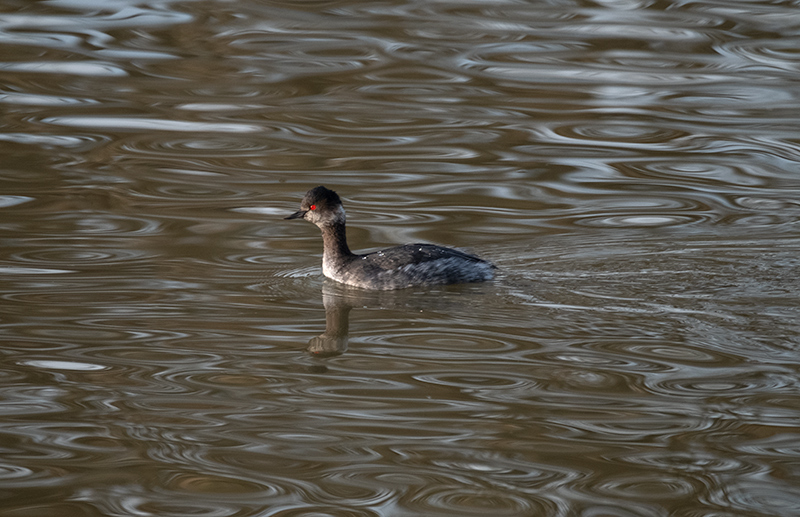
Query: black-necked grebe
{"points": [[394, 268]]}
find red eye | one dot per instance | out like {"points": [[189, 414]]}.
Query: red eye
{"points": [[312, 207]]}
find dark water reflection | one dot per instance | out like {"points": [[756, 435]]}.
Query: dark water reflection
{"points": [[170, 348]]}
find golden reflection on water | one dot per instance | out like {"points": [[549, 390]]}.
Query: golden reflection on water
{"points": [[171, 348]]}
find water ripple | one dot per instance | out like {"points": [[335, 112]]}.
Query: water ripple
{"points": [[130, 124], [89, 69], [72, 256], [171, 347]]}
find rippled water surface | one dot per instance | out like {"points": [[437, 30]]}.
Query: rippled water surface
{"points": [[170, 347]]}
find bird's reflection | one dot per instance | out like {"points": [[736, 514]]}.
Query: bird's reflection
{"points": [[337, 326], [339, 299]]}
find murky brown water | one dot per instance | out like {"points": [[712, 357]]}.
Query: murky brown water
{"points": [[171, 349]]}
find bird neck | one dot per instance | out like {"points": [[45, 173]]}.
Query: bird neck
{"points": [[334, 238]]}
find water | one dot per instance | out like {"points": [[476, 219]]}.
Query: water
{"points": [[170, 347]]}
